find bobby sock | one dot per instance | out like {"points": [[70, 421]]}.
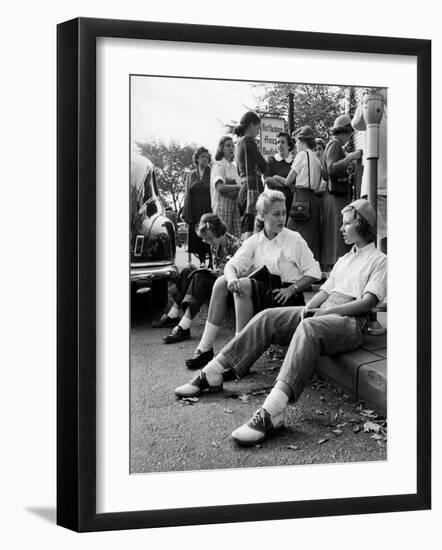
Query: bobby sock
{"points": [[208, 337], [185, 321], [174, 311], [275, 402], [214, 372]]}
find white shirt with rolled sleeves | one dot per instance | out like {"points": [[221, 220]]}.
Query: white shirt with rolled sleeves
{"points": [[286, 255], [359, 271]]}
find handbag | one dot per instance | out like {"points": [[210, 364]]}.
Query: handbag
{"points": [[301, 208]]}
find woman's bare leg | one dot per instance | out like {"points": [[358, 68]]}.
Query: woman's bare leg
{"points": [[243, 304]]}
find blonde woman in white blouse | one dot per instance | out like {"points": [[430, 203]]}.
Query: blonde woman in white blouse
{"points": [[282, 251]]}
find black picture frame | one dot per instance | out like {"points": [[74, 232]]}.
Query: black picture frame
{"points": [[76, 274]]}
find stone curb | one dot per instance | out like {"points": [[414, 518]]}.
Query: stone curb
{"points": [[362, 373]]}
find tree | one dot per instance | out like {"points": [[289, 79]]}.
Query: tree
{"points": [[172, 161], [315, 105]]}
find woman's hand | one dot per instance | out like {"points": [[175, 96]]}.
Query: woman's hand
{"points": [[234, 285], [282, 295]]}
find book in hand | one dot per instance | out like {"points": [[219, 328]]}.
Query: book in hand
{"points": [[263, 275]]}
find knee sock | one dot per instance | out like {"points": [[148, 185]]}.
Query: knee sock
{"points": [[275, 402], [214, 372], [185, 321], [174, 311], [208, 337]]}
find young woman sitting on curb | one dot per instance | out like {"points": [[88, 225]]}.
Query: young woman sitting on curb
{"points": [[282, 251], [332, 322], [192, 287]]}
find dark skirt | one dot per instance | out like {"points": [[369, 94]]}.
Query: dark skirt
{"points": [[262, 297], [332, 245], [192, 291], [310, 230]]}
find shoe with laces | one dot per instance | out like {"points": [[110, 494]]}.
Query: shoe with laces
{"points": [[178, 334], [196, 387], [258, 428], [165, 321], [199, 359]]}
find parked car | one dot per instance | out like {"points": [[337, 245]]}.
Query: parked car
{"points": [[152, 234], [182, 233]]}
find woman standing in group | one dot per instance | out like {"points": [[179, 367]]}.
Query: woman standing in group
{"points": [[225, 185], [275, 177], [250, 164], [197, 202], [337, 194], [283, 252], [305, 176]]}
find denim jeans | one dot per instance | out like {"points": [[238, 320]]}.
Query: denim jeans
{"points": [[307, 340]]}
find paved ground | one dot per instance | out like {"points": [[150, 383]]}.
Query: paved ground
{"points": [[168, 434]]}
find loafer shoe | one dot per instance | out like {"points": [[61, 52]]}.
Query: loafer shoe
{"points": [[258, 428], [196, 387], [199, 359], [165, 321], [178, 334]]}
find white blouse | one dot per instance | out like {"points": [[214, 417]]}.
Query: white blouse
{"points": [[221, 170], [286, 255], [300, 166]]}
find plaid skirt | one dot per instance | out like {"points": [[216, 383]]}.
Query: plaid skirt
{"points": [[228, 210]]}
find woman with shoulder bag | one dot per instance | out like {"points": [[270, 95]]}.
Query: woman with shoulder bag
{"points": [[305, 178], [337, 193]]}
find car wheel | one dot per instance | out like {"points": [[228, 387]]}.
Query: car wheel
{"points": [[160, 293]]}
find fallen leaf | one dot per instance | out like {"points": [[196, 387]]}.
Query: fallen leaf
{"points": [[228, 411], [371, 427], [215, 444], [244, 398], [318, 411], [337, 432], [321, 441], [356, 428], [292, 447], [190, 399], [322, 398], [342, 425], [376, 436]]}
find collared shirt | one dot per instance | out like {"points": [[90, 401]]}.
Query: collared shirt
{"points": [[359, 271], [286, 255], [221, 170]]}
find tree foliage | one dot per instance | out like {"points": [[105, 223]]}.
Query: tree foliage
{"points": [[315, 105], [172, 160]]}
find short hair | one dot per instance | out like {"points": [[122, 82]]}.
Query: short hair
{"points": [[263, 205], [199, 152], [211, 222], [288, 138], [309, 141], [348, 129], [220, 149], [364, 229], [248, 118], [320, 141]]}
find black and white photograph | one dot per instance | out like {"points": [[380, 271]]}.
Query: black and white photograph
{"points": [[258, 273]]}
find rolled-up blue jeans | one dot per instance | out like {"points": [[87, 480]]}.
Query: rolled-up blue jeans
{"points": [[307, 340]]}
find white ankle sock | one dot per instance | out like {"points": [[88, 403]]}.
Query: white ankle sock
{"points": [[208, 337], [275, 402], [214, 372], [185, 322], [174, 312]]}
